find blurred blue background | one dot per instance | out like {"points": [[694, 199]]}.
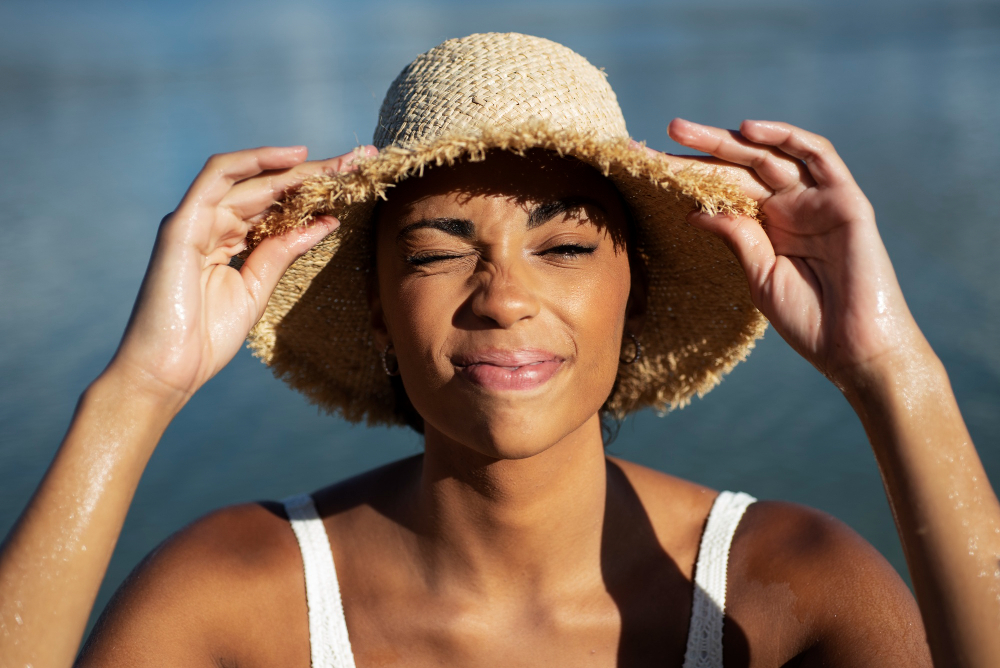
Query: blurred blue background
{"points": [[108, 110]]}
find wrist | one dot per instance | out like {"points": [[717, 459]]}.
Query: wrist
{"points": [[135, 393], [910, 365], [897, 386]]}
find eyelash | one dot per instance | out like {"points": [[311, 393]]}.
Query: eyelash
{"points": [[420, 260], [562, 249], [569, 249]]}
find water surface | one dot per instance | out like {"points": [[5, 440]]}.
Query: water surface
{"points": [[108, 110]]}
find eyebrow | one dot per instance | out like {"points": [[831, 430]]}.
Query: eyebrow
{"points": [[543, 213], [463, 228]]}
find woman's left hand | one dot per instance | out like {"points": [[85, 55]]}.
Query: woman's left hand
{"points": [[818, 269]]}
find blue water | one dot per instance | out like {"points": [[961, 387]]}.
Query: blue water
{"points": [[108, 109]]}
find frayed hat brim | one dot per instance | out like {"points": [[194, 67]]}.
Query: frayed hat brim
{"points": [[700, 322]]}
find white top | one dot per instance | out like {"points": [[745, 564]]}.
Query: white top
{"points": [[331, 648], [328, 642], [704, 646]]}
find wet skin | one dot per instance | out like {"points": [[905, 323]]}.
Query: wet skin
{"points": [[513, 540]]}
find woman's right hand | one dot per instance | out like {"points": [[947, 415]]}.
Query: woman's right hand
{"points": [[194, 310], [190, 318]]}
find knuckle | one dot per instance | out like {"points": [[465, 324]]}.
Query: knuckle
{"points": [[760, 159], [165, 221], [216, 164], [823, 145], [172, 233], [230, 210]]}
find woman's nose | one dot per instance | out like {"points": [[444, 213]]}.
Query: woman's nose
{"points": [[504, 298]]}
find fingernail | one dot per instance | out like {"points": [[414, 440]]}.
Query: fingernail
{"points": [[676, 125], [326, 221]]}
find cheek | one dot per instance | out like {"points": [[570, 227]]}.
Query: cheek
{"points": [[597, 315], [584, 312], [419, 315]]}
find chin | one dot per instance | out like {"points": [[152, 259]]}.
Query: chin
{"points": [[501, 443], [516, 431]]}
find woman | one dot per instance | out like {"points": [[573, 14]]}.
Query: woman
{"points": [[514, 295]]}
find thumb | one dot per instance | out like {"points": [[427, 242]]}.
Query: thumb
{"points": [[272, 257]]}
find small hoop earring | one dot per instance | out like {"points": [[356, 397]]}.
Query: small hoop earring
{"points": [[638, 350], [392, 370]]}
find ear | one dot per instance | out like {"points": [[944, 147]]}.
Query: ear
{"points": [[635, 308]]}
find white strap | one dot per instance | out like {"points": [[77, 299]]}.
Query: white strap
{"points": [[704, 647], [328, 641]]}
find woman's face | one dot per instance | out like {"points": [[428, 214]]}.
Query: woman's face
{"points": [[503, 286]]}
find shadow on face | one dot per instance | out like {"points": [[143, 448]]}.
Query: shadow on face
{"points": [[503, 287]]}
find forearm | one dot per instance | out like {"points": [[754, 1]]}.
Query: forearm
{"points": [[945, 509], [54, 559]]}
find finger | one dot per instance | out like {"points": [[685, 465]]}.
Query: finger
{"points": [[274, 255], [747, 179], [746, 238], [189, 225], [825, 165], [778, 170], [254, 195], [221, 171]]}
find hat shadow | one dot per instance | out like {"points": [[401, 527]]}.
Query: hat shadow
{"points": [[654, 598]]}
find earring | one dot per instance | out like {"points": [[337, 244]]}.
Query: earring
{"points": [[638, 350], [389, 364]]}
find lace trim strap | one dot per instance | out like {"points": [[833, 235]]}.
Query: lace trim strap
{"points": [[328, 642], [704, 647]]}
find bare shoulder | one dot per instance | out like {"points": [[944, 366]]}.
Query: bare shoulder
{"points": [[803, 584], [227, 589], [676, 509]]}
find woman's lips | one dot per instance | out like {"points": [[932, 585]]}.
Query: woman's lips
{"points": [[508, 369]]}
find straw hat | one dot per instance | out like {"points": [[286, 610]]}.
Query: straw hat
{"points": [[511, 92]]}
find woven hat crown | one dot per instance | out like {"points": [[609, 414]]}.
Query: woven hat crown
{"points": [[498, 81]]}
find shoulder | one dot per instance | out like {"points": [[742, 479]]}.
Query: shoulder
{"points": [[675, 508], [802, 583], [227, 587]]}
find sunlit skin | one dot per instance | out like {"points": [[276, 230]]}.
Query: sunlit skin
{"points": [[504, 292], [480, 275]]}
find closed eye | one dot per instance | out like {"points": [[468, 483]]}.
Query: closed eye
{"points": [[562, 250], [569, 250], [420, 260]]}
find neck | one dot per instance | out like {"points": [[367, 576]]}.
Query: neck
{"points": [[532, 523]]}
